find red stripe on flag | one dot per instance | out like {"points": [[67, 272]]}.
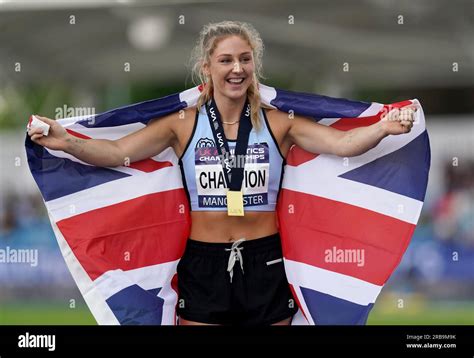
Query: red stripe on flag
{"points": [[297, 156], [398, 104], [149, 165], [324, 233], [144, 232], [345, 124], [77, 134]]}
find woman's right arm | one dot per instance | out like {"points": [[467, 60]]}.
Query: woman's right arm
{"points": [[142, 144]]}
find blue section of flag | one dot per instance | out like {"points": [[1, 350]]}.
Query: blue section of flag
{"points": [[317, 106], [391, 172], [135, 306], [327, 309], [51, 173], [140, 112]]}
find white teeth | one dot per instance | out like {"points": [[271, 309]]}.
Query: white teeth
{"points": [[235, 80]]}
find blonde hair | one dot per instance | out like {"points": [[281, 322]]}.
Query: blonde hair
{"points": [[209, 37]]}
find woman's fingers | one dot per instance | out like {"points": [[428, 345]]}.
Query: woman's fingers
{"points": [[34, 130], [392, 115], [404, 119], [407, 114], [36, 136]]}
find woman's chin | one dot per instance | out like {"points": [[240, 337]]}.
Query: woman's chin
{"points": [[236, 94]]}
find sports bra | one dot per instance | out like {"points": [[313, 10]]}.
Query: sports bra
{"points": [[203, 175]]}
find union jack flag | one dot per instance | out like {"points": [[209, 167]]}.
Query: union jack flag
{"points": [[345, 222]]}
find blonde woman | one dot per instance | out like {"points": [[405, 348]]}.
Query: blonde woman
{"points": [[232, 154]]}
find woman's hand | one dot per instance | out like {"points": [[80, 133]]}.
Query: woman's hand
{"points": [[56, 138], [399, 121]]}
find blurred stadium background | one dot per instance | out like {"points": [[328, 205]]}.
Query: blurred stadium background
{"points": [[57, 55]]}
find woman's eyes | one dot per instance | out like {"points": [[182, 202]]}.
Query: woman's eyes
{"points": [[228, 61]]}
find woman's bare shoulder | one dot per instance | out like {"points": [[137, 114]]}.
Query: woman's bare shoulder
{"points": [[184, 116], [277, 117], [190, 110], [276, 113], [175, 121], [183, 123]]}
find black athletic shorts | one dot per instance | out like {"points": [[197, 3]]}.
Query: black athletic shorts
{"points": [[258, 295]]}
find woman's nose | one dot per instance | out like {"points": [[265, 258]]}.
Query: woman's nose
{"points": [[237, 67]]}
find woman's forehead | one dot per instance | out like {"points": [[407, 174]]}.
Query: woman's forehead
{"points": [[233, 45]]}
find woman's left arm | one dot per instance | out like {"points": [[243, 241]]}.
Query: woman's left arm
{"points": [[316, 138]]}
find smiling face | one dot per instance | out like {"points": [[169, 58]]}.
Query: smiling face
{"points": [[231, 67]]}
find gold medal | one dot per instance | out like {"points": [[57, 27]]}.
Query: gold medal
{"points": [[235, 203]]}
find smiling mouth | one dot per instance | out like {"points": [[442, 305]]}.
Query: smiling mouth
{"points": [[235, 81]]}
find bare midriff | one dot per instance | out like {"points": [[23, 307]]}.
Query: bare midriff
{"points": [[210, 226]]}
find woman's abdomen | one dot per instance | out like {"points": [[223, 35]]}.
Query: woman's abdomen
{"points": [[212, 226]]}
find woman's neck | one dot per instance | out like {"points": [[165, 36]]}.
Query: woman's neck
{"points": [[230, 109]]}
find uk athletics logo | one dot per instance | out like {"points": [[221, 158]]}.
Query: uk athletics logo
{"points": [[205, 142], [211, 183]]}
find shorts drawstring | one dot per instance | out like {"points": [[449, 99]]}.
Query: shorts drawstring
{"points": [[235, 255]]}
